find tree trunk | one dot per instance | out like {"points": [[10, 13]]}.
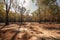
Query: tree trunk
{"points": [[21, 18], [39, 15], [6, 22]]}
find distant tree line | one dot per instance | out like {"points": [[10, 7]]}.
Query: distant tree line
{"points": [[49, 11]]}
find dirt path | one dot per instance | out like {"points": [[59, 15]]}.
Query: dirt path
{"points": [[31, 31]]}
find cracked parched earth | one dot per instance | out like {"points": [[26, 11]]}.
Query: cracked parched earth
{"points": [[30, 31]]}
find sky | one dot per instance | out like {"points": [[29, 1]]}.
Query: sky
{"points": [[58, 2], [29, 5]]}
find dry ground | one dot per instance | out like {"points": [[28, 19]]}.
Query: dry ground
{"points": [[30, 31]]}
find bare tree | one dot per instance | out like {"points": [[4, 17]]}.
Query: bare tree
{"points": [[22, 10], [15, 6], [8, 6]]}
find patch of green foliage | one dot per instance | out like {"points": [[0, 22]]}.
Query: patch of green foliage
{"points": [[32, 0]]}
